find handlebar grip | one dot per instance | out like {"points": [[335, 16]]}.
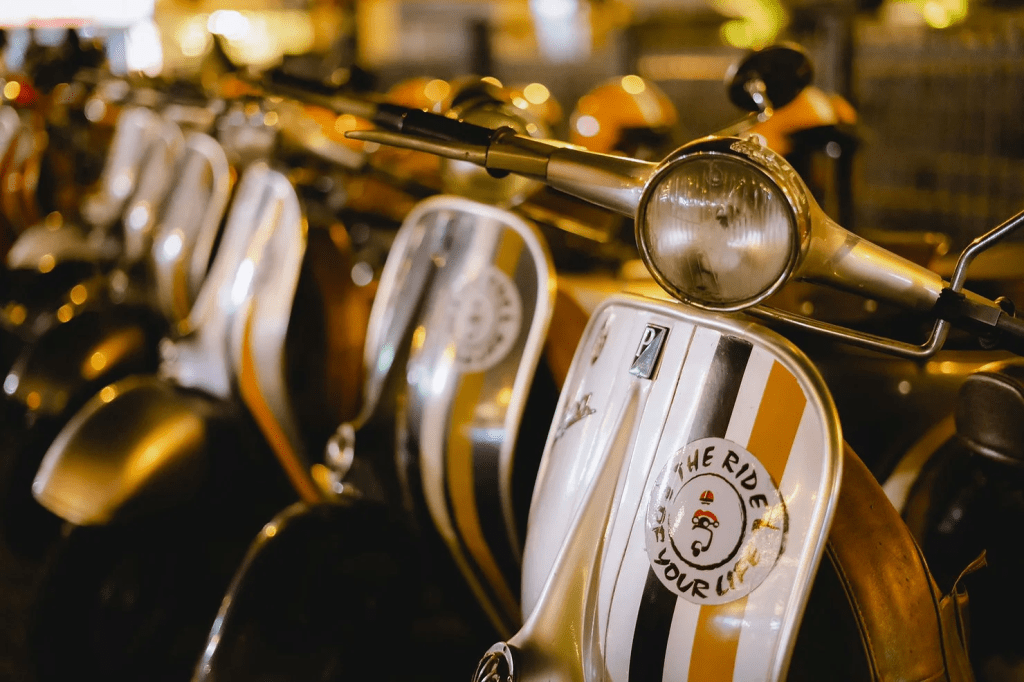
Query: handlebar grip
{"points": [[297, 83], [434, 126]]}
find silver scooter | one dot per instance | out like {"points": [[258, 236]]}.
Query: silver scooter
{"points": [[158, 476], [164, 479]]}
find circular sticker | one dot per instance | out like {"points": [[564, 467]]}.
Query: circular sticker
{"points": [[488, 313], [716, 523]]}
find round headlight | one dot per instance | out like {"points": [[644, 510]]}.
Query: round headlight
{"points": [[717, 231]]}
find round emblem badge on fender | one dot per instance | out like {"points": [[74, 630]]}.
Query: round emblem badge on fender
{"points": [[716, 523], [488, 313]]}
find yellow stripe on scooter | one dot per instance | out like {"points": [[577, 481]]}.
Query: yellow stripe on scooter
{"points": [[713, 657], [460, 460], [463, 493], [249, 386], [179, 290]]}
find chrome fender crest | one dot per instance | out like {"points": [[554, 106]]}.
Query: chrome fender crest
{"points": [[716, 523], [488, 315]]}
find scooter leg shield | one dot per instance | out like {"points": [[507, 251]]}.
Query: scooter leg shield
{"points": [[139, 445], [324, 592]]}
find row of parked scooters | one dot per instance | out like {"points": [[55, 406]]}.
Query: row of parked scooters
{"points": [[472, 440]]}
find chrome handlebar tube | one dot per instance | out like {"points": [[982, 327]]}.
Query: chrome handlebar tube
{"points": [[828, 253]]}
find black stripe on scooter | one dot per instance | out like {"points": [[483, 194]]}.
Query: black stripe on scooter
{"points": [[717, 399], [486, 480], [490, 595]]}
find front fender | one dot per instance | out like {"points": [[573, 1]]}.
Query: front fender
{"points": [[74, 360], [138, 446]]}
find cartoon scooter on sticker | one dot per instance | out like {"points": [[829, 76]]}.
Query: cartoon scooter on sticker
{"points": [[704, 519]]}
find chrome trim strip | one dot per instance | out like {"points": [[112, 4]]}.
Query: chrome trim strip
{"points": [[159, 171], [185, 236]]}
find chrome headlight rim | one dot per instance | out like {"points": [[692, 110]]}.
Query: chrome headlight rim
{"points": [[774, 168]]}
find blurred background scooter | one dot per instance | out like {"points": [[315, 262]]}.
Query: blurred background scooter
{"points": [[165, 258], [161, 478]]}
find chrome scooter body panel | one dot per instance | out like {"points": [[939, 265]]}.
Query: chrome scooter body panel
{"points": [[467, 292], [90, 348], [160, 170], [135, 127], [10, 123], [683, 503], [95, 471], [200, 358], [256, 339], [183, 244], [139, 133]]}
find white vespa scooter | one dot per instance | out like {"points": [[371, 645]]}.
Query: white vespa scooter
{"points": [[690, 484]]}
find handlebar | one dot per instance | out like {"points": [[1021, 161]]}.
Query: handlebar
{"points": [[386, 116], [618, 183]]}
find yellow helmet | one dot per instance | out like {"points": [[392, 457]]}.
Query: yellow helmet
{"points": [[538, 101], [420, 92], [812, 108], [377, 195], [629, 115]]}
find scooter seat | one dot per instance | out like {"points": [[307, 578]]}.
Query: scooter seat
{"points": [[139, 445], [31, 299], [990, 412]]}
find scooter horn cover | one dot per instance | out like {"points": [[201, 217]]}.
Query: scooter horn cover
{"points": [[467, 296], [683, 502]]}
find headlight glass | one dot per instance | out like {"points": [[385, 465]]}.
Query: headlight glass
{"points": [[718, 230]]}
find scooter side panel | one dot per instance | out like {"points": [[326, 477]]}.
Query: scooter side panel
{"points": [[41, 243], [316, 587], [189, 226], [258, 331], [158, 172], [689, 476], [135, 125], [204, 233], [200, 359]]}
